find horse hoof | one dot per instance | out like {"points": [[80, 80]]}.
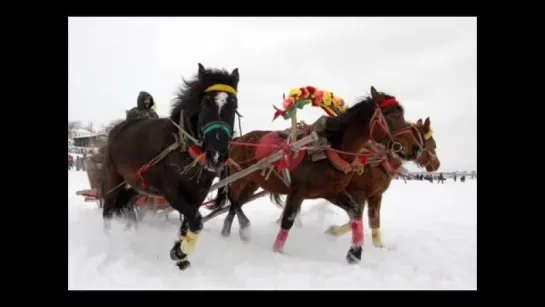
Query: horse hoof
{"points": [[354, 255], [245, 234], [225, 233], [183, 264], [332, 230], [176, 253]]}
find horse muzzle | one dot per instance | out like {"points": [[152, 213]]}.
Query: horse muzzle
{"points": [[216, 160]]}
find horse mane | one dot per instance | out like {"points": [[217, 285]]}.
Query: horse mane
{"points": [[361, 111], [189, 95]]}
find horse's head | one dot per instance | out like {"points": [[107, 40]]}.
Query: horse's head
{"points": [[427, 157], [407, 141], [377, 118], [420, 138], [210, 103], [217, 114]]}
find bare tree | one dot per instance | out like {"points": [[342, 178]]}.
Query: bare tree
{"points": [[112, 124], [72, 128]]}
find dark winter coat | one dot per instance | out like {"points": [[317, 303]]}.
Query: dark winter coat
{"points": [[141, 111]]}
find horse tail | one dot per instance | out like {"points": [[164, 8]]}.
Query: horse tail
{"points": [[277, 200], [221, 198]]}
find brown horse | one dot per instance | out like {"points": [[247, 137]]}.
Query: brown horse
{"points": [[346, 133], [379, 171], [381, 166], [155, 156], [376, 179]]}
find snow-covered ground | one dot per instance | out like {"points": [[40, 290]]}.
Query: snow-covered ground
{"points": [[429, 231]]}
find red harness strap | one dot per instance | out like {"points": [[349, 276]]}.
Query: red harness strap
{"points": [[144, 168]]}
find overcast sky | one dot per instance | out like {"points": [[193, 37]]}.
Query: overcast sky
{"points": [[429, 64]]}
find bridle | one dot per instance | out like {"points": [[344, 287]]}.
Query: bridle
{"points": [[194, 149], [378, 119], [421, 140], [203, 130]]}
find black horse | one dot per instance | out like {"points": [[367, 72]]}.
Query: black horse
{"points": [[205, 108]]}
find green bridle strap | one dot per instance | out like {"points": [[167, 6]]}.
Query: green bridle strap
{"points": [[215, 126]]}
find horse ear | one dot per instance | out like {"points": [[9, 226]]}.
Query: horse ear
{"points": [[419, 122], [235, 74], [427, 123], [201, 71], [377, 97]]}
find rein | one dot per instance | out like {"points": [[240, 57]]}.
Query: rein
{"points": [[422, 139], [177, 143], [184, 133], [379, 119]]}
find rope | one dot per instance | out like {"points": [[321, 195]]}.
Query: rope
{"points": [[152, 162], [189, 136], [368, 153], [239, 125], [235, 164], [159, 157]]}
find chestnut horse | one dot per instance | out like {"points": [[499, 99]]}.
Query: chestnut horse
{"points": [[376, 179], [377, 176], [347, 134]]}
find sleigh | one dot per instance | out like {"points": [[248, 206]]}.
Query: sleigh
{"points": [[143, 204], [156, 203]]}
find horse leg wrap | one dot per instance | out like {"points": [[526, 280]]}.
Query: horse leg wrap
{"points": [[357, 232], [354, 253], [183, 264], [189, 242], [281, 238], [377, 237], [338, 231]]}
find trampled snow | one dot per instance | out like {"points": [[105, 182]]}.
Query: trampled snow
{"points": [[429, 231]]}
